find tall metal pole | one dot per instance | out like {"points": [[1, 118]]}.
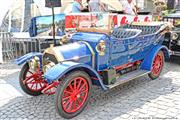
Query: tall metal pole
{"points": [[53, 24]]}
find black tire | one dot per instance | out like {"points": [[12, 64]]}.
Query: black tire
{"points": [[152, 75], [63, 86], [22, 77]]}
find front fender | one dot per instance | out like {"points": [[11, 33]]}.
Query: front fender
{"points": [[148, 60], [26, 57], [61, 69]]}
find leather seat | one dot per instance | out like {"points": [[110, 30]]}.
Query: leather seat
{"points": [[122, 33]]}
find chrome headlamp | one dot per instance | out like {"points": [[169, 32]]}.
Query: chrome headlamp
{"points": [[34, 63], [48, 65], [49, 60], [174, 36], [101, 47]]}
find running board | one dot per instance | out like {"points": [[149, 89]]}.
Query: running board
{"points": [[176, 53], [128, 77]]}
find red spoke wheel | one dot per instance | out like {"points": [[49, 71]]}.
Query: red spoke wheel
{"points": [[157, 65], [31, 82], [73, 94]]}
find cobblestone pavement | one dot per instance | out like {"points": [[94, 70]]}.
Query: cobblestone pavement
{"points": [[139, 99]]}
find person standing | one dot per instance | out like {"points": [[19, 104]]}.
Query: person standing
{"points": [[96, 6], [129, 7], [77, 6]]}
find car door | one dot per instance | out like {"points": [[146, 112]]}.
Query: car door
{"points": [[135, 49], [118, 52], [139, 47]]}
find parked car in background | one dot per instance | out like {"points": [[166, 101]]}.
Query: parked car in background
{"points": [[172, 39]]}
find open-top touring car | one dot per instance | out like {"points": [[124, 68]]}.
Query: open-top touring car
{"points": [[106, 58]]}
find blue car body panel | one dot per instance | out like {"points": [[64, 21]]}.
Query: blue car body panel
{"points": [[89, 37], [148, 60], [78, 52], [61, 69], [102, 62], [132, 49], [26, 57]]}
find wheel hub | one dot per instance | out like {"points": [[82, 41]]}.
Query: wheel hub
{"points": [[75, 96]]}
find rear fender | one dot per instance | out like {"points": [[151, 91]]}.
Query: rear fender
{"points": [[61, 69], [27, 57], [148, 61]]}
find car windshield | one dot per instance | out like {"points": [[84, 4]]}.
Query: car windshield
{"points": [[98, 20]]}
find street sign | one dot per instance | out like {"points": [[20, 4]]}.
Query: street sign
{"points": [[53, 3], [171, 4]]}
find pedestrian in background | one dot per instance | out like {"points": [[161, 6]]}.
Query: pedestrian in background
{"points": [[77, 6], [97, 6], [129, 7]]}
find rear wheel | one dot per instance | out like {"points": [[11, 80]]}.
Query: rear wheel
{"points": [[31, 81], [73, 94], [157, 66]]}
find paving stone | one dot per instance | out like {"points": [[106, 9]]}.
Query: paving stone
{"points": [[169, 105], [1, 113], [6, 119], [20, 119], [125, 116], [171, 114], [163, 107], [160, 102], [153, 109], [145, 106], [143, 111], [152, 113], [174, 110], [3, 116], [161, 112]]}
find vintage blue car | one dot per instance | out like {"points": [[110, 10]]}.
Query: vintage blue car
{"points": [[106, 58]]}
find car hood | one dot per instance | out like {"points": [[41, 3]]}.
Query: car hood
{"points": [[78, 52]]}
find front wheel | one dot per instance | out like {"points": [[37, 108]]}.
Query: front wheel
{"points": [[157, 65], [73, 94], [31, 81]]}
